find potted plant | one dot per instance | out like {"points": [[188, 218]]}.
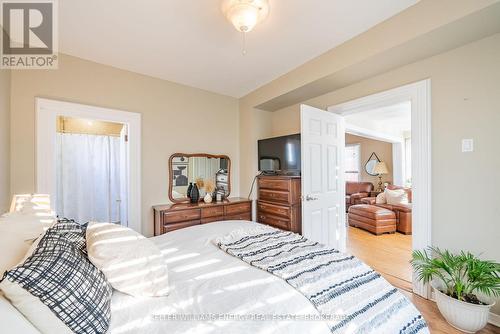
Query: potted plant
{"points": [[464, 285]]}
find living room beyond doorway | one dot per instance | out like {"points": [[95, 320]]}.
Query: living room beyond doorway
{"points": [[378, 190]]}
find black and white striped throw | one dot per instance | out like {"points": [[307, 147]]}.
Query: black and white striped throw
{"points": [[61, 276], [351, 297]]}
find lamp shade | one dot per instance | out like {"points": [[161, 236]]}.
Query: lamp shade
{"points": [[245, 14], [381, 168], [31, 203]]}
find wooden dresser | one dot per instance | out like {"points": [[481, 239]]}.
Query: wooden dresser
{"points": [[279, 202], [172, 217]]}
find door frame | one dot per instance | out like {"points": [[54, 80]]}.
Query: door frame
{"points": [[419, 93], [48, 110]]}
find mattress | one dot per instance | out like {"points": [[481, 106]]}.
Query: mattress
{"points": [[213, 292]]}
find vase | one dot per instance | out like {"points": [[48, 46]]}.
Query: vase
{"points": [[188, 192], [194, 194], [208, 198]]}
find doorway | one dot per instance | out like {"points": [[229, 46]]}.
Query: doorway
{"points": [[51, 175], [91, 170], [334, 122], [378, 165]]}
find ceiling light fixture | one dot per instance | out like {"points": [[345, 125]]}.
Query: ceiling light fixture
{"points": [[245, 14]]}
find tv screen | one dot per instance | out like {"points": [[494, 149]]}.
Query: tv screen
{"points": [[280, 154]]}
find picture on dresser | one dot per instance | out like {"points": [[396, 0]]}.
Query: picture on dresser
{"points": [[210, 173]]}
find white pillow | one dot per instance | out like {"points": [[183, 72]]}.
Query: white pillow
{"points": [[12, 320], [380, 199], [396, 196], [131, 263], [17, 233]]}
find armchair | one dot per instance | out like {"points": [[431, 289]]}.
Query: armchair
{"points": [[402, 211], [356, 191]]}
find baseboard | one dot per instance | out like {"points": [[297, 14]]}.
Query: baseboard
{"points": [[493, 318]]}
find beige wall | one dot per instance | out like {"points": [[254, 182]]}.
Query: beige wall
{"points": [[367, 147], [255, 124], [175, 118], [4, 140], [465, 104], [465, 97]]}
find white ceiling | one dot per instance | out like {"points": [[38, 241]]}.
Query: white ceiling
{"points": [[391, 121], [191, 42]]}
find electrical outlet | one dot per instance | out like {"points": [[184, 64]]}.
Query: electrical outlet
{"points": [[467, 145]]}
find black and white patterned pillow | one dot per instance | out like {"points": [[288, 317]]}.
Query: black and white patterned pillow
{"points": [[63, 278], [73, 231]]}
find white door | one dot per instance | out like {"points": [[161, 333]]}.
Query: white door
{"points": [[323, 198]]}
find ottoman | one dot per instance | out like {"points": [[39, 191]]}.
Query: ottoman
{"points": [[372, 218]]}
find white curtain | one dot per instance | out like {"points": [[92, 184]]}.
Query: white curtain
{"points": [[88, 177]]}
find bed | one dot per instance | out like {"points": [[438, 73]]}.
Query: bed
{"points": [[214, 292], [205, 280]]}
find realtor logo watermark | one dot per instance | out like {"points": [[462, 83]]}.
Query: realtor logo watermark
{"points": [[29, 36]]}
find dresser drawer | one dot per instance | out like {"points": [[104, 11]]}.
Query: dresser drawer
{"points": [[282, 223], [243, 216], [239, 208], [212, 219], [275, 210], [274, 196], [212, 212], [180, 216], [274, 184], [175, 226]]}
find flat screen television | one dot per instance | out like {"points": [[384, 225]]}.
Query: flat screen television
{"points": [[280, 155]]}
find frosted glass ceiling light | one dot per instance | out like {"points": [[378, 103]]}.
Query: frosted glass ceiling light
{"points": [[245, 14]]}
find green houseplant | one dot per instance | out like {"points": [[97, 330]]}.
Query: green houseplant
{"points": [[461, 281]]}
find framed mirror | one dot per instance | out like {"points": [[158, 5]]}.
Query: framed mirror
{"points": [[198, 167], [371, 163]]}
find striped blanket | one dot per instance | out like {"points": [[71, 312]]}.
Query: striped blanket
{"points": [[348, 294]]}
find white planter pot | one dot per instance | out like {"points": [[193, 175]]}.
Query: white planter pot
{"points": [[466, 317]]}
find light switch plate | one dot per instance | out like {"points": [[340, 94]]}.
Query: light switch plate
{"points": [[467, 145]]}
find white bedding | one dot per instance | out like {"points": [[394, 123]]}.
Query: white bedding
{"points": [[205, 280]]}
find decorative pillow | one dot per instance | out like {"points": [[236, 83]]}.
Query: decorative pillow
{"points": [[73, 231], [58, 289], [397, 196], [132, 263], [380, 199], [17, 233]]}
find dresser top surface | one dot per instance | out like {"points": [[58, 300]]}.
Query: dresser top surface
{"points": [[282, 177], [201, 204]]}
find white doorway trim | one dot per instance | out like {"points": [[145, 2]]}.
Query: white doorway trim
{"points": [[47, 112], [419, 94]]}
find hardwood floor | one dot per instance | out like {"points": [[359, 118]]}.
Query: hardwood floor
{"points": [[389, 254]]}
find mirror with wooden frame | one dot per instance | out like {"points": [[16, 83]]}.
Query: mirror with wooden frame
{"points": [[198, 168]]}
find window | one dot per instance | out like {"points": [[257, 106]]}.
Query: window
{"points": [[352, 162]]}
